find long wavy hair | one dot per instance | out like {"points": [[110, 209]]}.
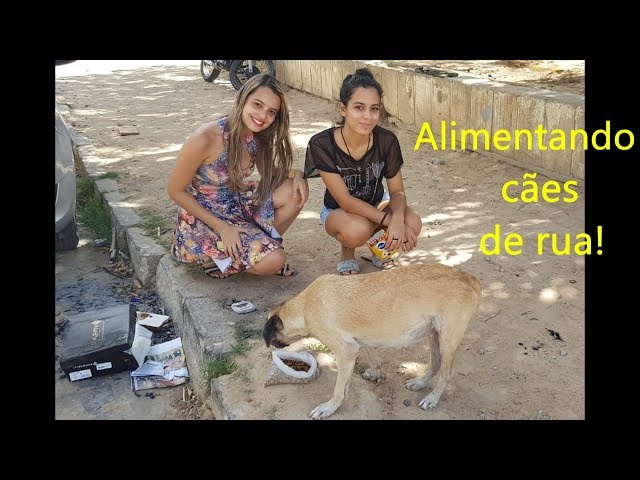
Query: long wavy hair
{"points": [[275, 152]]}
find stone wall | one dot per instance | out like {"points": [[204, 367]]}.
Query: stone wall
{"points": [[471, 102]]}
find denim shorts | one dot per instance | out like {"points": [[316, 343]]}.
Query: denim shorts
{"points": [[326, 211]]}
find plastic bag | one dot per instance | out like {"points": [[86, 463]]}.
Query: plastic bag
{"points": [[282, 373]]}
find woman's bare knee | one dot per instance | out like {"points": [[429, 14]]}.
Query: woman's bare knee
{"points": [[289, 210], [350, 230], [413, 221], [285, 197], [353, 238], [270, 264]]}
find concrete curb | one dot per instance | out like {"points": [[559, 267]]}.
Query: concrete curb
{"points": [[145, 255], [144, 252]]}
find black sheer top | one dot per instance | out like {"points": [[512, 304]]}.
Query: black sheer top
{"points": [[363, 177]]}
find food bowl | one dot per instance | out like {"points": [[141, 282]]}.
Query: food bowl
{"points": [[289, 367]]}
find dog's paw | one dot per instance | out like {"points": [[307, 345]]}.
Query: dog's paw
{"points": [[371, 374], [430, 401], [416, 383], [323, 410]]}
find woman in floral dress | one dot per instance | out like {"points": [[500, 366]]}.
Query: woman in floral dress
{"points": [[227, 222]]}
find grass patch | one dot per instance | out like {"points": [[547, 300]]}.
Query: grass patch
{"points": [[240, 348], [217, 366], [165, 242], [153, 223], [270, 414], [109, 175], [155, 226], [85, 190], [242, 334], [92, 211], [223, 364]]}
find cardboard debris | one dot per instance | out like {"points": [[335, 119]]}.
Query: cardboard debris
{"points": [[152, 321], [110, 340], [99, 342]]}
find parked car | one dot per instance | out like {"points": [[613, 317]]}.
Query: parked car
{"points": [[66, 228]]}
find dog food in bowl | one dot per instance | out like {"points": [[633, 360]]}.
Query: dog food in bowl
{"points": [[297, 365], [292, 367]]}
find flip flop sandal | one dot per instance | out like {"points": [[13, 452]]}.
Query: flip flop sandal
{"points": [[345, 267], [287, 271], [213, 271], [387, 264]]}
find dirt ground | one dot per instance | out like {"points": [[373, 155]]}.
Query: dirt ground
{"points": [[522, 356], [556, 75]]}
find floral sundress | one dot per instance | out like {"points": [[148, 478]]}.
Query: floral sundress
{"points": [[193, 239]]}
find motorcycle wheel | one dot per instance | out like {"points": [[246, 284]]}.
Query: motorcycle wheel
{"points": [[209, 70], [239, 71]]}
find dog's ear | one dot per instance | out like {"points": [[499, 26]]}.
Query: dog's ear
{"points": [[273, 325]]}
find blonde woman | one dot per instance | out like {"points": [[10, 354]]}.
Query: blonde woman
{"points": [[226, 222]]}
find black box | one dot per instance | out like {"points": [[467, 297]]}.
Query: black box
{"points": [[99, 342]]}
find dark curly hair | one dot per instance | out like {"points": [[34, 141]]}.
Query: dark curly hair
{"points": [[363, 78]]}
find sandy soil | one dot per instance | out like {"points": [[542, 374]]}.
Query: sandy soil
{"points": [[557, 75], [509, 366]]}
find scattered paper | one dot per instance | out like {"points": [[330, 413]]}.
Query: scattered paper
{"points": [[149, 367], [152, 320], [223, 264], [164, 366], [141, 343]]}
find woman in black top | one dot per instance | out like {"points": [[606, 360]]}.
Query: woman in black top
{"points": [[352, 159]]}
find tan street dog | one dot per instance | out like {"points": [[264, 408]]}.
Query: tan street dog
{"points": [[415, 304]]}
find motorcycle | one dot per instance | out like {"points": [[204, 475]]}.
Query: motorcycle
{"points": [[239, 70]]}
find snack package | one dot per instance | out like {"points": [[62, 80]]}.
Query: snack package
{"points": [[377, 245]]}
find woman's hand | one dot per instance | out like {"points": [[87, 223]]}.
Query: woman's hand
{"points": [[230, 237], [395, 233], [410, 240], [300, 187]]}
